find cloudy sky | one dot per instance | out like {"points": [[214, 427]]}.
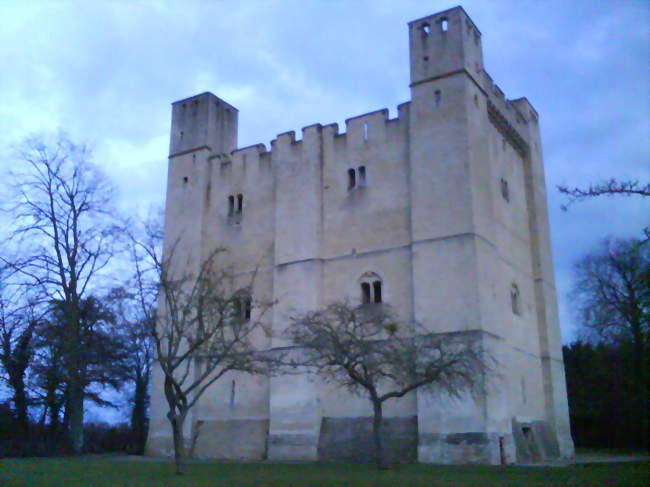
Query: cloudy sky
{"points": [[107, 71]]}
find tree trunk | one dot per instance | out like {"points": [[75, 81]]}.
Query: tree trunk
{"points": [[20, 403], [54, 427], [75, 389], [377, 433], [75, 416], [640, 390], [139, 415], [53, 405], [180, 456]]}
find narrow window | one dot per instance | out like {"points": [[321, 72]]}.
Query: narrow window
{"points": [[425, 59], [437, 96], [231, 205], [232, 393], [365, 131], [238, 307], [476, 100], [365, 292], [182, 134], [426, 30], [376, 287], [444, 24], [502, 450], [362, 175], [248, 305], [352, 179], [505, 191], [185, 179], [240, 203], [515, 299]]}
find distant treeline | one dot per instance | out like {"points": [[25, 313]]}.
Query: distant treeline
{"points": [[98, 438], [601, 390]]}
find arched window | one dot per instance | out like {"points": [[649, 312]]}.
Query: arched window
{"points": [[515, 299], [444, 24], [371, 288], [426, 30]]}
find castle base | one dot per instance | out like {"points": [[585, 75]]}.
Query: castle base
{"points": [[350, 440]]}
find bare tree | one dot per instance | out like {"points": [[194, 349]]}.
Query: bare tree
{"points": [[65, 228], [612, 295], [611, 187], [48, 381], [205, 327], [135, 314], [367, 351], [20, 318]]}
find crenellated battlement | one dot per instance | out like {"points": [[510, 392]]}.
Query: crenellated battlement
{"points": [[368, 128], [510, 109]]}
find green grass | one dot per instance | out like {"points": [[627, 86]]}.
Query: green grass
{"points": [[92, 472]]}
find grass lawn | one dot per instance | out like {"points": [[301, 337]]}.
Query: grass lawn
{"points": [[91, 472]]}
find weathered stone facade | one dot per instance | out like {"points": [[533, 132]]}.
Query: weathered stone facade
{"points": [[447, 210]]}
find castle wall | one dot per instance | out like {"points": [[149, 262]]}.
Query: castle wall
{"points": [[431, 218]]}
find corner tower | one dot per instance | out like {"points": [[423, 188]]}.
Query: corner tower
{"points": [[442, 44], [203, 121], [481, 251], [201, 126]]}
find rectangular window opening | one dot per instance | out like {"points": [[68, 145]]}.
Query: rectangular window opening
{"points": [[376, 287], [362, 175], [247, 309], [352, 178], [240, 203], [231, 205], [365, 292]]}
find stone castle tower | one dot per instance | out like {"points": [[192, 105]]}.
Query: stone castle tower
{"points": [[440, 212]]}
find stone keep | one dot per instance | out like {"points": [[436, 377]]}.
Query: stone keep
{"points": [[444, 205]]}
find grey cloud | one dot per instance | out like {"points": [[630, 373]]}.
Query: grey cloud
{"points": [[107, 72]]}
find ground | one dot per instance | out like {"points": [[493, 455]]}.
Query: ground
{"points": [[112, 472]]}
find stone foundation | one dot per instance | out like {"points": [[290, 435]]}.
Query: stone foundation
{"points": [[351, 440], [534, 441], [235, 439], [471, 447]]}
